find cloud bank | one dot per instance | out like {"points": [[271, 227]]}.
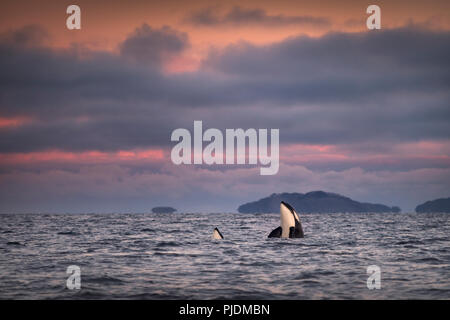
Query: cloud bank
{"points": [[378, 100]]}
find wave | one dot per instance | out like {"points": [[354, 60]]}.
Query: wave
{"points": [[68, 233], [14, 243]]}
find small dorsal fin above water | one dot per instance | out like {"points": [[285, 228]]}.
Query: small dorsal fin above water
{"points": [[217, 235]]}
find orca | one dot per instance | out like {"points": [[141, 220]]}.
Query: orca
{"points": [[291, 226], [217, 235]]}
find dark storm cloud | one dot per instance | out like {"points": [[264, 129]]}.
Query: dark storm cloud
{"points": [[380, 86], [243, 16], [30, 35], [344, 64], [150, 45]]}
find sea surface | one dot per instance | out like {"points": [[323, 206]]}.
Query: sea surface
{"points": [[173, 256]]}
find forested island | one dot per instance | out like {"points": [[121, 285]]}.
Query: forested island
{"points": [[315, 201], [438, 205]]}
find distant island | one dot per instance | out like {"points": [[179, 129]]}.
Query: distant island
{"points": [[315, 201], [163, 210], [438, 205]]}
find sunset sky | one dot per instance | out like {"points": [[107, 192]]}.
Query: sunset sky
{"points": [[86, 115]]}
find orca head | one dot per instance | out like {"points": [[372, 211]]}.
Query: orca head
{"points": [[289, 219], [284, 206], [290, 225], [217, 235]]}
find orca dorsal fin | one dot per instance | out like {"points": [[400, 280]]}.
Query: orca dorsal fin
{"points": [[276, 233]]}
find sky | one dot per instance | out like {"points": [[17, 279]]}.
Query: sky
{"points": [[86, 115]]}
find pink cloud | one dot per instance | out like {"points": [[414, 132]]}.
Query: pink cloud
{"points": [[425, 153], [96, 157], [13, 122]]}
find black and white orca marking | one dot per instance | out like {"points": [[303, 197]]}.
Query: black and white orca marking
{"points": [[217, 235], [291, 227]]}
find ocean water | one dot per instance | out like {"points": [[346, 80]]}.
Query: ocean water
{"points": [[173, 256]]}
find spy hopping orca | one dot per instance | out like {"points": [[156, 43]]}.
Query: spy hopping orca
{"points": [[291, 227], [217, 235]]}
